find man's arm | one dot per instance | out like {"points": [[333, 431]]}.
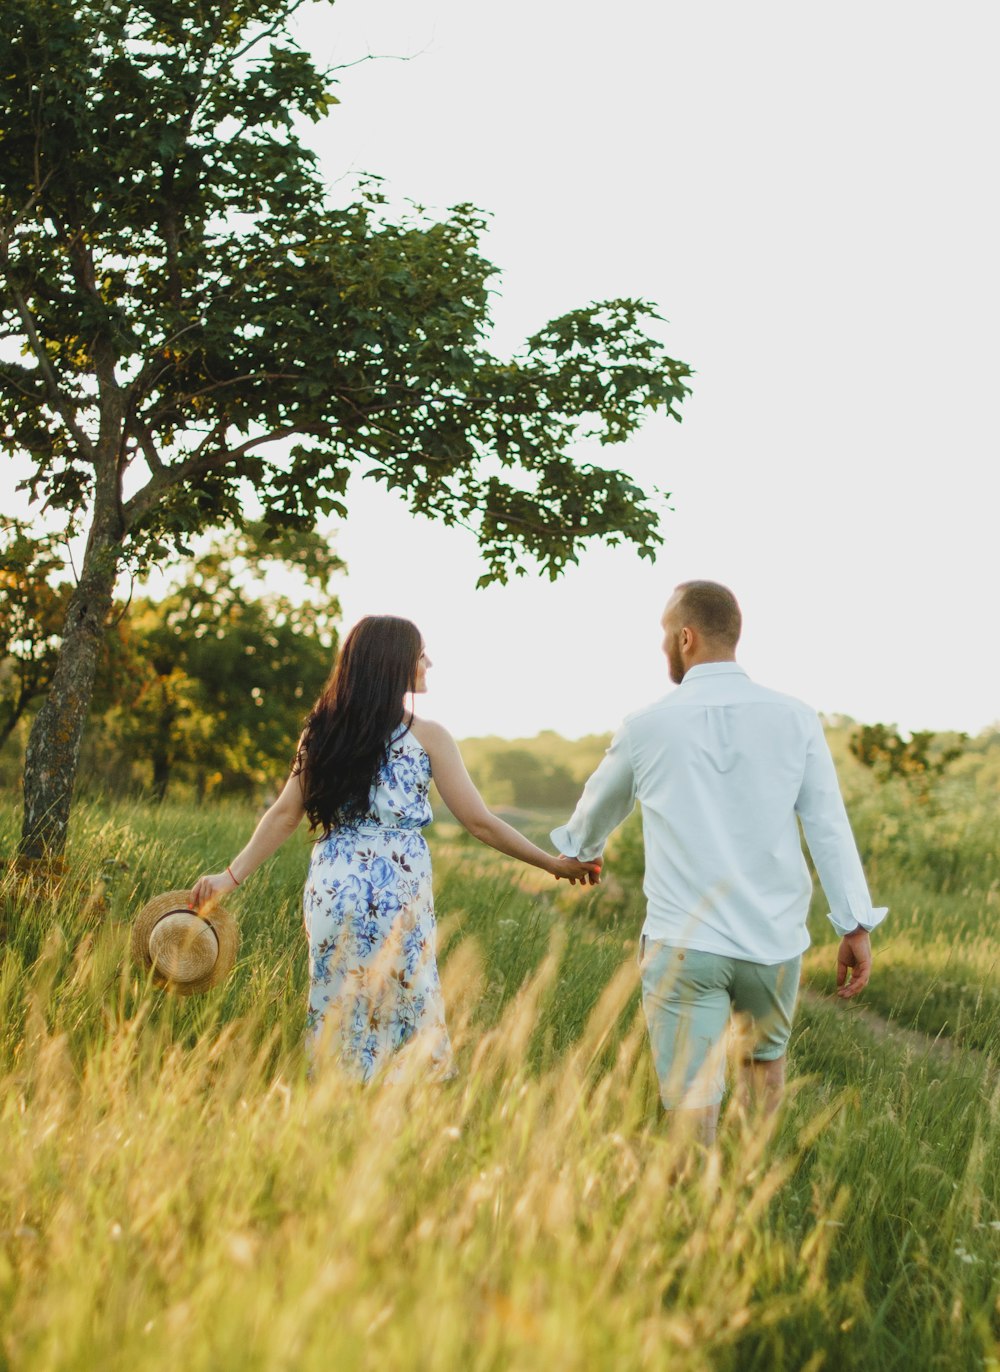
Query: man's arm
{"points": [[607, 798], [820, 808]]}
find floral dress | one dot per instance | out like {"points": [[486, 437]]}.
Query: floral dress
{"points": [[369, 917]]}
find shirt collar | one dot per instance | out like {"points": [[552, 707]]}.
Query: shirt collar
{"points": [[713, 669]]}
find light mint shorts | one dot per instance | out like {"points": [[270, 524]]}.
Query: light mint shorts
{"points": [[689, 998]]}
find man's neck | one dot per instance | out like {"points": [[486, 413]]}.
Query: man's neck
{"points": [[706, 656]]}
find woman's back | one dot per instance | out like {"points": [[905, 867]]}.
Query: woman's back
{"points": [[369, 914], [398, 797]]}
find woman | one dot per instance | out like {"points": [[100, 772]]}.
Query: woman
{"points": [[361, 774]]}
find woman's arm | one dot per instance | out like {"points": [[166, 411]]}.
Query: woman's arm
{"points": [[463, 800], [278, 823]]}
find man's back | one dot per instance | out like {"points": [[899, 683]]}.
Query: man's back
{"points": [[724, 770], [722, 767], [718, 767]]}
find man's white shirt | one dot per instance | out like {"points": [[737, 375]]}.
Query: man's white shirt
{"points": [[723, 769]]}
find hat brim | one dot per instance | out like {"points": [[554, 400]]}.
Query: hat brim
{"points": [[219, 920]]}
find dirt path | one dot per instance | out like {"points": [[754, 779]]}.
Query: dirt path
{"points": [[919, 1044]]}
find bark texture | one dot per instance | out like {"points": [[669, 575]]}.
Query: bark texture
{"points": [[54, 744]]}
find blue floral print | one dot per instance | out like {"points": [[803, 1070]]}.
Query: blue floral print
{"points": [[369, 917]]}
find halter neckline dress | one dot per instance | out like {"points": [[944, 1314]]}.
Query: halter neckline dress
{"points": [[369, 916]]}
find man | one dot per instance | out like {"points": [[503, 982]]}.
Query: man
{"points": [[723, 769]]}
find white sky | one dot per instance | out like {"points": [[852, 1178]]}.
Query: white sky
{"points": [[809, 193]]}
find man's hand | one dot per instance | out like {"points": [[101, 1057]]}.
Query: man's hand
{"points": [[573, 870], [854, 958]]}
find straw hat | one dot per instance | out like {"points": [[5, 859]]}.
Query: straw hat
{"points": [[186, 952]]}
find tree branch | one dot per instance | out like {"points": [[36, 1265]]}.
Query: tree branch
{"points": [[8, 381], [286, 431], [200, 464], [10, 226], [146, 380], [155, 368], [153, 460], [234, 381], [576, 530], [378, 57], [214, 434], [269, 32], [62, 406]]}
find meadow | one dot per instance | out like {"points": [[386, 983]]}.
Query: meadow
{"points": [[175, 1192]]}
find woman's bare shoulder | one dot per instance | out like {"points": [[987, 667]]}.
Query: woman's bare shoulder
{"points": [[429, 733]]}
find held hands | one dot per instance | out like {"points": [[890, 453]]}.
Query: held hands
{"points": [[572, 870], [854, 957], [209, 888]]}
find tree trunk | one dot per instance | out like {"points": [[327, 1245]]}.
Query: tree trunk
{"points": [[162, 750], [54, 743]]}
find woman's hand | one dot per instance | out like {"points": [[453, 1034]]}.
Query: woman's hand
{"points": [[572, 870], [209, 888], [277, 824]]}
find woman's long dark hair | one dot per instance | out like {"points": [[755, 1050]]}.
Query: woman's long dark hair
{"points": [[346, 737]]}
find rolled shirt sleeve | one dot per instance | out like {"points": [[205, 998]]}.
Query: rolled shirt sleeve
{"points": [[607, 799], [820, 808]]}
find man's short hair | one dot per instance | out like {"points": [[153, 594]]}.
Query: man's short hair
{"points": [[712, 609]]}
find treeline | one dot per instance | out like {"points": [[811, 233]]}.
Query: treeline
{"points": [[202, 689], [547, 772], [543, 773]]}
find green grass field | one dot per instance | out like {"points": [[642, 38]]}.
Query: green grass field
{"points": [[174, 1193]]}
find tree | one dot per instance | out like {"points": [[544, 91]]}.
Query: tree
{"points": [[534, 783], [188, 316], [916, 760], [209, 682], [222, 677], [32, 611]]}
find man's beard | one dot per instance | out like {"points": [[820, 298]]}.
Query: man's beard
{"points": [[675, 662]]}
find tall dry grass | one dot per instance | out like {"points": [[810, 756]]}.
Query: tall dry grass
{"points": [[176, 1192]]}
